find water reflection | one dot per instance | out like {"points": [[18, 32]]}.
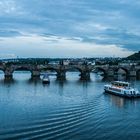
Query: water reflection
{"points": [[117, 101], [7, 81], [33, 81], [61, 87], [121, 102]]}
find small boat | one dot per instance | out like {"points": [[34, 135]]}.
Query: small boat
{"points": [[121, 88], [45, 79]]}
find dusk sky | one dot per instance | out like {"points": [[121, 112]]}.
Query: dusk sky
{"points": [[69, 28]]}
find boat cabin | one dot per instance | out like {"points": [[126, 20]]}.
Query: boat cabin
{"points": [[120, 84]]}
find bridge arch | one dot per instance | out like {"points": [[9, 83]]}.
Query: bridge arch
{"points": [[52, 71], [73, 72], [121, 71], [49, 69], [74, 68], [22, 69], [101, 71]]}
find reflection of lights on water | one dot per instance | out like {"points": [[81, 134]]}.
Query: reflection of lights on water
{"points": [[119, 101]]}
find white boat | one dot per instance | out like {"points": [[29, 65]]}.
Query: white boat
{"points": [[121, 88], [46, 79]]}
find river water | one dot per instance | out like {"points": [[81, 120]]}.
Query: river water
{"points": [[70, 110]]}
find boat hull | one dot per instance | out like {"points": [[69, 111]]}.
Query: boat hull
{"points": [[46, 82], [123, 95]]}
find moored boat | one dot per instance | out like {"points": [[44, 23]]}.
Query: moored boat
{"points": [[121, 88], [45, 79]]}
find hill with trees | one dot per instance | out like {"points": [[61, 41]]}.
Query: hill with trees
{"points": [[135, 56]]}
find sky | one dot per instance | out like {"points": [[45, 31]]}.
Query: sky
{"points": [[69, 28]]}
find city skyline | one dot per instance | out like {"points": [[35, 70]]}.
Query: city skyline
{"points": [[81, 28]]}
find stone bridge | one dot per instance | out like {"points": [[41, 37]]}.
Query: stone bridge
{"points": [[111, 71], [37, 69], [85, 70]]}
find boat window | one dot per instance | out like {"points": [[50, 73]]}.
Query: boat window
{"points": [[120, 84]]}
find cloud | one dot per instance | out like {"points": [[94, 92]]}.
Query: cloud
{"points": [[58, 46], [98, 22], [9, 7], [8, 33]]}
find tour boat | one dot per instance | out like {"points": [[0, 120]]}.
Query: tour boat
{"points": [[121, 88], [46, 79]]}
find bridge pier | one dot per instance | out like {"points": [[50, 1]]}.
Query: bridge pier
{"points": [[61, 75], [35, 74], [85, 76], [8, 74], [8, 77]]}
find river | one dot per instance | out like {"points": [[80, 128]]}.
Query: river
{"points": [[70, 110]]}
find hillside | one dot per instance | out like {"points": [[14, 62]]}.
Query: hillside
{"points": [[135, 56]]}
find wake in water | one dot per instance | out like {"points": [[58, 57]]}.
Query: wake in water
{"points": [[61, 123]]}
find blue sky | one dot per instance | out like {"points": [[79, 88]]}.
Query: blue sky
{"points": [[69, 28]]}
